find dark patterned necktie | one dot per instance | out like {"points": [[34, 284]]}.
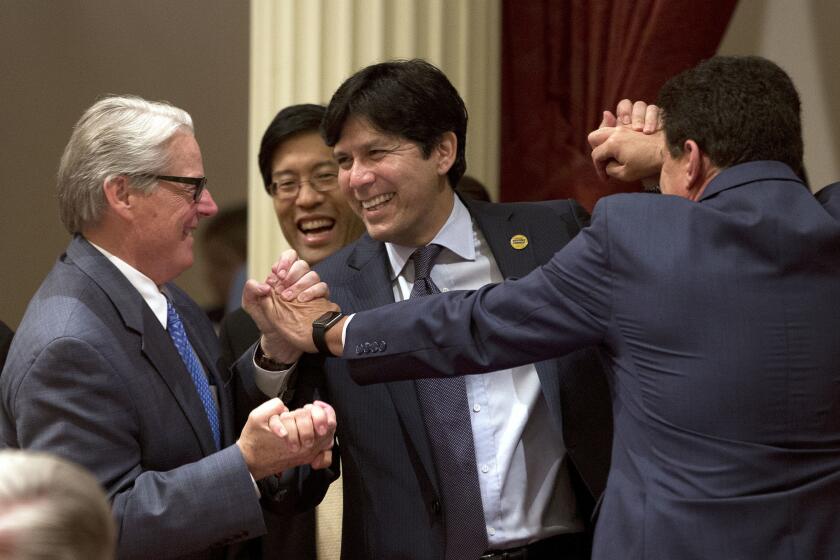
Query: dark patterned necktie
{"points": [[446, 416], [179, 336]]}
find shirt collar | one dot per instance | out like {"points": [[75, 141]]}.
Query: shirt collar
{"points": [[146, 286], [456, 235]]}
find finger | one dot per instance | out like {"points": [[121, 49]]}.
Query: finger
{"points": [[651, 119], [599, 136], [319, 290], [297, 271], [319, 420], [254, 291], [284, 263], [607, 119], [275, 424], [322, 460], [295, 287], [623, 111], [616, 170], [293, 439], [601, 156], [637, 115], [330, 413], [306, 430]]}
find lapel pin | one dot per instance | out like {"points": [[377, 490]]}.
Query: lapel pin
{"points": [[518, 241]]}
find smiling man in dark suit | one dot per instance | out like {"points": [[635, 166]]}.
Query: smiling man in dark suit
{"points": [[115, 368], [530, 458], [711, 304]]}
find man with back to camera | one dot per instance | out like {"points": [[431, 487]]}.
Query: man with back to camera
{"points": [[300, 175], [709, 304], [115, 368], [535, 458]]}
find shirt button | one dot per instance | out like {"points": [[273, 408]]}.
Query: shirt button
{"points": [[444, 290], [477, 407], [485, 469], [491, 531]]}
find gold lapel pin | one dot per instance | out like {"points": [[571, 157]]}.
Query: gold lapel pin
{"points": [[518, 241]]}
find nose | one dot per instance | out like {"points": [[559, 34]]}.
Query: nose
{"points": [[308, 197], [206, 205], [360, 176]]}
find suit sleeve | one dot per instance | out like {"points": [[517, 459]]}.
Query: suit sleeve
{"points": [[559, 307], [71, 402]]}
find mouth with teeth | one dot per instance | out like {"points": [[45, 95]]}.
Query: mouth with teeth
{"points": [[375, 203], [315, 226]]}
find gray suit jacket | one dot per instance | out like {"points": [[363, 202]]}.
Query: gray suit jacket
{"points": [[92, 376], [391, 493], [718, 322]]}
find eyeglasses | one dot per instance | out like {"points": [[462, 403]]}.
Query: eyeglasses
{"points": [[286, 189], [199, 183]]}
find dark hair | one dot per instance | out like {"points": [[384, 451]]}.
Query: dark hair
{"points": [[289, 122], [408, 98], [737, 109]]}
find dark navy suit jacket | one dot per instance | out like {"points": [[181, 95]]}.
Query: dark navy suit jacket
{"points": [[391, 496], [718, 319]]}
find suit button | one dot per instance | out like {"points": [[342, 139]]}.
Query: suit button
{"points": [[375, 346], [436, 506], [358, 349], [382, 345], [368, 348]]}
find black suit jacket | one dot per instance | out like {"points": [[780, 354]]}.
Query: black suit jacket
{"points": [[289, 535], [391, 495]]}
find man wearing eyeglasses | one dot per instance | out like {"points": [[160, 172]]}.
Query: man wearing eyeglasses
{"points": [[115, 368], [300, 175]]}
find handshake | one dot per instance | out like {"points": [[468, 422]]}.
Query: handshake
{"points": [[283, 307]]}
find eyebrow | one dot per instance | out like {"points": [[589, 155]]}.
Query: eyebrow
{"points": [[316, 166]]}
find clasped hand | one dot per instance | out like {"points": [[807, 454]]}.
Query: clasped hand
{"points": [[630, 144]]}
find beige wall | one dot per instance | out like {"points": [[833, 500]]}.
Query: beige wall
{"points": [[58, 56], [802, 38]]}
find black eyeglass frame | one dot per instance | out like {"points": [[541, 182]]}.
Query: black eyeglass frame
{"points": [[200, 183], [318, 184]]}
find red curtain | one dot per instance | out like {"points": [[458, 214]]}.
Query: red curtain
{"points": [[565, 61]]}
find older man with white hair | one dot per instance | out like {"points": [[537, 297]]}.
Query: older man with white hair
{"points": [[115, 368]]}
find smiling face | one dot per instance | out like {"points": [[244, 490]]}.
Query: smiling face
{"points": [[316, 224], [165, 219], [401, 196]]}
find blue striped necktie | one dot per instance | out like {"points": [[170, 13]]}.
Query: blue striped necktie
{"points": [[179, 336], [445, 409]]}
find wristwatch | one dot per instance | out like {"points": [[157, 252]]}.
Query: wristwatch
{"points": [[267, 363], [320, 326]]}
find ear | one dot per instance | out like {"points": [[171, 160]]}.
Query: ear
{"points": [[698, 169], [446, 150], [118, 195]]}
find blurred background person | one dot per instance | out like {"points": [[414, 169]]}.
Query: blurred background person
{"points": [[6, 335], [223, 244], [52, 508]]}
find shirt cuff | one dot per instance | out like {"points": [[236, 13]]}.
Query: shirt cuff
{"points": [[344, 328], [271, 383]]}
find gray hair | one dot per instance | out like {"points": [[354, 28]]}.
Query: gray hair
{"points": [[52, 509], [117, 135]]}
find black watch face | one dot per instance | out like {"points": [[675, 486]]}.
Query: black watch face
{"points": [[327, 318]]}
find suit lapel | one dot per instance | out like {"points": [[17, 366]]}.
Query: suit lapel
{"points": [[155, 343], [371, 288], [159, 350], [500, 224]]}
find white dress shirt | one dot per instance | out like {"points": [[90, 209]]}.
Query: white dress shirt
{"points": [[525, 487]]}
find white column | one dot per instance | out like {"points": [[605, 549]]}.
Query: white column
{"points": [[301, 51]]}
